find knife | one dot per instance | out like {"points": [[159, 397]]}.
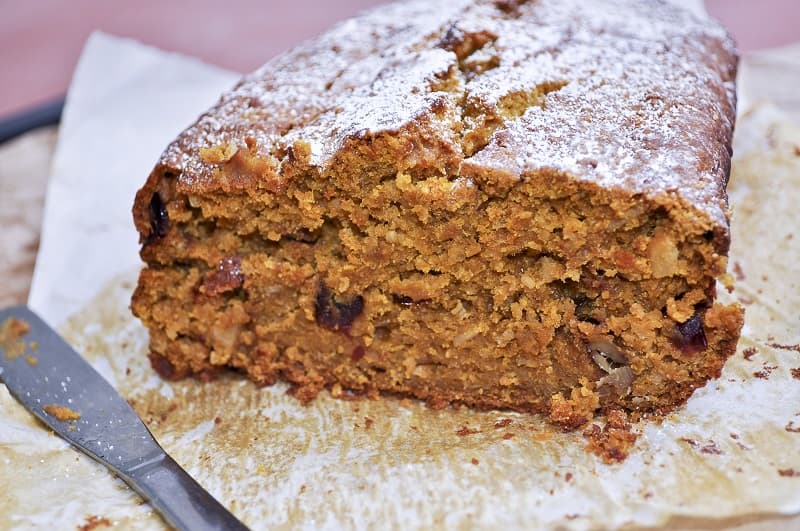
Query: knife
{"points": [[62, 390]]}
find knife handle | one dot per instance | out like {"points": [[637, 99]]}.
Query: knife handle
{"points": [[180, 500]]}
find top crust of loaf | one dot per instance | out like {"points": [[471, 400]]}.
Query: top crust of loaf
{"points": [[633, 95]]}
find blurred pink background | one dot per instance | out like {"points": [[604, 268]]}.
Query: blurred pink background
{"points": [[40, 40]]}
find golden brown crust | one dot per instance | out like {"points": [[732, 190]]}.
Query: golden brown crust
{"points": [[454, 207]]}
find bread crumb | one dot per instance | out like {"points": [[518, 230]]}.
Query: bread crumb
{"points": [[709, 448], [749, 352], [573, 412], [502, 423], [466, 430], [11, 332], [613, 441], [765, 371], [61, 413], [475, 461], [738, 272], [93, 522], [795, 347]]}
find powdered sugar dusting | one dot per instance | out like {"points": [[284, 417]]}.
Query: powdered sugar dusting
{"points": [[648, 106], [641, 95]]}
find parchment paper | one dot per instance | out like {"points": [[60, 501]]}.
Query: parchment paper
{"points": [[386, 463], [126, 102]]}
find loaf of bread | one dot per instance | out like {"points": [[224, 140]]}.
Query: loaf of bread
{"points": [[505, 204]]}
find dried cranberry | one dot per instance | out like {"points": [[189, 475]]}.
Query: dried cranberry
{"points": [[158, 217], [334, 314], [691, 337], [358, 353]]}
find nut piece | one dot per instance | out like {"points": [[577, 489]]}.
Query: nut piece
{"points": [[663, 255], [620, 378], [608, 349], [228, 276], [614, 362], [218, 154]]}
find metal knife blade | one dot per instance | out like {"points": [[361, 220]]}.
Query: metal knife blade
{"points": [[61, 389]]}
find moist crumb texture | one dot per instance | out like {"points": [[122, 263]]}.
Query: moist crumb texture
{"points": [[515, 205]]}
